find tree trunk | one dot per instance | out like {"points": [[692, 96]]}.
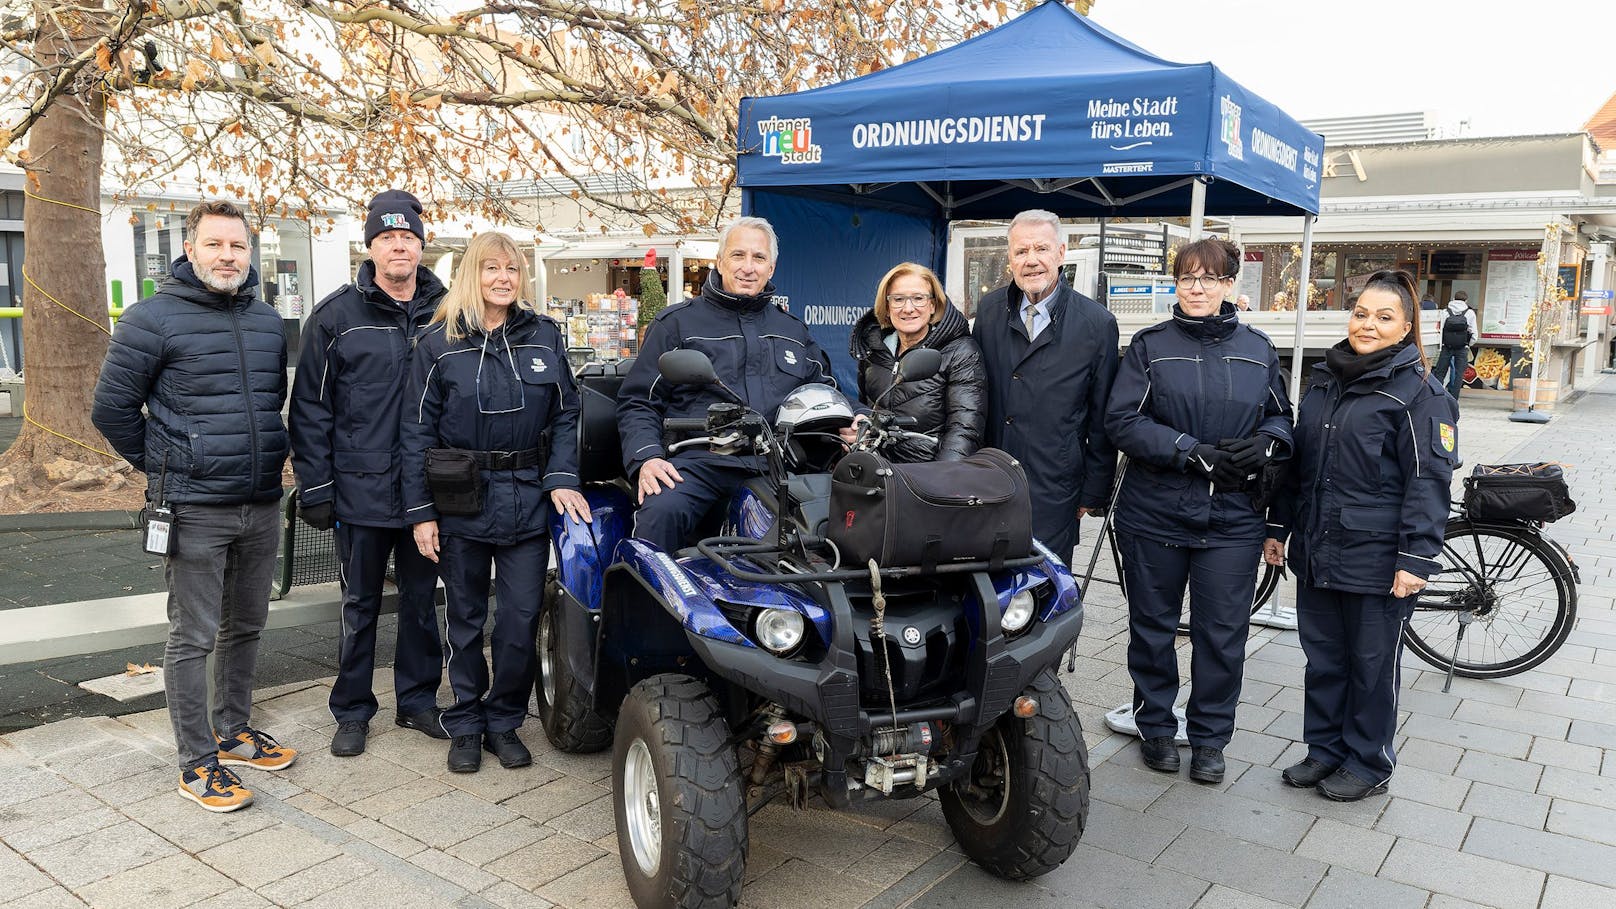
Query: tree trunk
{"points": [[59, 457]]}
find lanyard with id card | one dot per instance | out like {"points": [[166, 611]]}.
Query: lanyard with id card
{"points": [[159, 536]]}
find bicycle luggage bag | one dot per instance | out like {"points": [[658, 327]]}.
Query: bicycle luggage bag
{"points": [[1517, 492], [930, 513]]}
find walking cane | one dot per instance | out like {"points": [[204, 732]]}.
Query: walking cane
{"points": [[1094, 559]]}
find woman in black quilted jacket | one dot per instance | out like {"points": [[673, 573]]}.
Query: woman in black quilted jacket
{"points": [[911, 312]]}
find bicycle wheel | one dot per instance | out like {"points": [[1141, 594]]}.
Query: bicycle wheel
{"points": [[1517, 590]]}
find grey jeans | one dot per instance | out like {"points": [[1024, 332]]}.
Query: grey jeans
{"points": [[218, 599]]}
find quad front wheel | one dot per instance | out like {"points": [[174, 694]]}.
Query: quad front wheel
{"points": [[1021, 810], [676, 791]]}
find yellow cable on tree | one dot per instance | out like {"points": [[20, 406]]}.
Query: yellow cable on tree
{"points": [[35, 285]]}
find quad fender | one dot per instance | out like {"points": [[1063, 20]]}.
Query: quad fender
{"points": [[584, 551], [649, 608]]}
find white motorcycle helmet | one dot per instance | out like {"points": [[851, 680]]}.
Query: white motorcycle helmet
{"points": [[806, 422]]}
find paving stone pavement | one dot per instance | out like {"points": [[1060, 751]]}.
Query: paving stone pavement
{"points": [[1505, 795]]}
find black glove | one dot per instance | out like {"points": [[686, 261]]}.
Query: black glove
{"points": [[318, 516], [1216, 465], [1250, 455]]}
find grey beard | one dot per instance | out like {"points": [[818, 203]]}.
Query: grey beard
{"points": [[205, 275]]}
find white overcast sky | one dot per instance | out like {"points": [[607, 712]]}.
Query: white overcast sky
{"points": [[1517, 68]]}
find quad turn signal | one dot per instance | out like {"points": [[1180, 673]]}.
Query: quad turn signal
{"points": [[782, 733], [1026, 706]]}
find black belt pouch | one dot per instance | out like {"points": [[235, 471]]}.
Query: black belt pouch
{"points": [[455, 480]]}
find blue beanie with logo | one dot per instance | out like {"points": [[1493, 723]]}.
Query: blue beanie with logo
{"points": [[393, 209]]}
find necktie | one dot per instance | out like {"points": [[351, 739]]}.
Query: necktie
{"points": [[1031, 313]]}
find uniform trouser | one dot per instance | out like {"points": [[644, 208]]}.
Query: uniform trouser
{"points": [[1353, 642], [218, 599], [1222, 582], [669, 518], [418, 656], [1450, 367], [518, 570], [1063, 540]]}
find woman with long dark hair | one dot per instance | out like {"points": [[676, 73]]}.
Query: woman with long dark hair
{"points": [[1376, 444]]}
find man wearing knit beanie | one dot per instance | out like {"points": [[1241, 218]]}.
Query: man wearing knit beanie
{"points": [[346, 401]]}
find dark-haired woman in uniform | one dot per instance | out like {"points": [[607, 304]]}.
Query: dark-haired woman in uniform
{"points": [[1199, 407], [489, 389], [1376, 443]]}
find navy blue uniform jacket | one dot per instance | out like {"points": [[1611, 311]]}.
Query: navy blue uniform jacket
{"points": [[1183, 382], [505, 390], [758, 349], [210, 369], [1371, 472], [348, 394], [1046, 401]]}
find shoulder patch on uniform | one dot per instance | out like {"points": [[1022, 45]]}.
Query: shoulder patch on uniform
{"points": [[1445, 438]]}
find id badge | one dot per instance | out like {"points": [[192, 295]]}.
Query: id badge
{"points": [[159, 531]]}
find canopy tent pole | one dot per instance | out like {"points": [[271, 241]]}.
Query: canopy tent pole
{"points": [[1301, 309], [1197, 209]]}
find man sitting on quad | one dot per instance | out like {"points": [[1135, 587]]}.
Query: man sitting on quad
{"points": [[758, 350]]}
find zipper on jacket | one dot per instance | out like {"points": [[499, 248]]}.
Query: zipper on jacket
{"points": [[246, 391]]}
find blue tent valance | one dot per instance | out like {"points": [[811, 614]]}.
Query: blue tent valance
{"points": [[1047, 111]]}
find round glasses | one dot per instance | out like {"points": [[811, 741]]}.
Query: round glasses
{"points": [[909, 301], [1186, 282]]}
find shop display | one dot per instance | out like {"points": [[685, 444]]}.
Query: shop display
{"points": [[605, 323]]}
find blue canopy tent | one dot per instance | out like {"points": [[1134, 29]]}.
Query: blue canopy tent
{"points": [[1047, 111]]}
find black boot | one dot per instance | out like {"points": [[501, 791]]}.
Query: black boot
{"points": [[429, 722], [1206, 764], [1160, 753], [1307, 774], [464, 755], [1345, 786], [508, 748], [350, 738]]}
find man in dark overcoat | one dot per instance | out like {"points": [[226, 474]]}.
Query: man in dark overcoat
{"points": [[1050, 354]]}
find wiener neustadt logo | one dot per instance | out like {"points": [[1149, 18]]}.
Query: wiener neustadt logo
{"points": [[792, 141], [1231, 128]]}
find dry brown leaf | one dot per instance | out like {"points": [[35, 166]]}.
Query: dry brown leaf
{"points": [[142, 669]]}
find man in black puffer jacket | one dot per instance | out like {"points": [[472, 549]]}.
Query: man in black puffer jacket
{"points": [[207, 360], [344, 421]]}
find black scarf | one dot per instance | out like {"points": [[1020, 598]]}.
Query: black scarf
{"points": [[1349, 366], [1215, 327]]}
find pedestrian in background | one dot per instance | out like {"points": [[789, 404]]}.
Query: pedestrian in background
{"points": [[206, 360], [1199, 406], [490, 442], [1364, 509], [911, 312], [1458, 333], [1050, 355], [344, 422]]}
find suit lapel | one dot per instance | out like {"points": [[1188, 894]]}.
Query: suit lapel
{"points": [[1056, 304]]}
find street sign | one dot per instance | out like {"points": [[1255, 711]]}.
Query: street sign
{"points": [[1598, 294]]}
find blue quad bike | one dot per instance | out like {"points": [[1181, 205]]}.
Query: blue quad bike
{"points": [[754, 665]]}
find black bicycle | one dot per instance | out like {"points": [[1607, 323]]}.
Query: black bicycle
{"points": [[1502, 600]]}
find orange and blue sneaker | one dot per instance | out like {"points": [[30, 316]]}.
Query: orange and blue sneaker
{"points": [[215, 788], [251, 748]]}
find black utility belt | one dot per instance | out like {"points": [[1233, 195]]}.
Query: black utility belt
{"points": [[506, 460], [455, 475]]}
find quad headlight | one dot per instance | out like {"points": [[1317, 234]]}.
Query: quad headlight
{"points": [[780, 631], [1019, 613]]}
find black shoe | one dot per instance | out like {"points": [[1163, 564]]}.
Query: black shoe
{"points": [[1307, 774], [350, 738], [1206, 764], [1345, 786], [1160, 753], [427, 721], [508, 748], [464, 755]]}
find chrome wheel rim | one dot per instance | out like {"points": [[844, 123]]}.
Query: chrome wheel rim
{"points": [[642, 809], [546, 658]]}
